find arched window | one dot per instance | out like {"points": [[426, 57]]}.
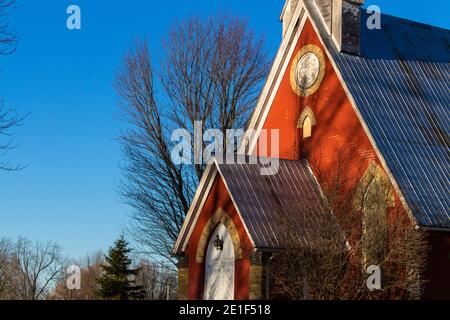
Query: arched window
{"points": [[374, 195], [306, 122], [307, 128], [374, 223]]}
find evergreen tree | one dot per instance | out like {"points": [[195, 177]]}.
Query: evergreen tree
{"points": [[117, 280]]}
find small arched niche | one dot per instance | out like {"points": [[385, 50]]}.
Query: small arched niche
{"points": [[306, 122], [307, 127]]}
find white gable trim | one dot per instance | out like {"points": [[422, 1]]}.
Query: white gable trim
{"points": [[196, 207]]}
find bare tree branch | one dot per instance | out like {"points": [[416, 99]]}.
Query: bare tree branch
{"points": [[9, 119], [8, 36]]}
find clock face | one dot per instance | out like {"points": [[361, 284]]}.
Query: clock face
{"points": [[308, 70]]}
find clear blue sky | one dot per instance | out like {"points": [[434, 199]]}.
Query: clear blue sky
{"points": [[68, 192]]}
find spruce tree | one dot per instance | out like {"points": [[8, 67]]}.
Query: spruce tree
{"points": [[116, 281]]}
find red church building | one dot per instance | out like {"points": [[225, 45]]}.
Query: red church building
{"points": [[335, 84]]}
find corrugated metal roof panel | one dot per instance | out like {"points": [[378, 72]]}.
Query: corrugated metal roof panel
{"points": [[292, 194], [400, 84]]}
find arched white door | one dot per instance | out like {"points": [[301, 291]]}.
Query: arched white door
{"points": [[219, 267]]}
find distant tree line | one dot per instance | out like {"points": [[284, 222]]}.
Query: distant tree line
{"points": [[115, 277], [38, 271]]}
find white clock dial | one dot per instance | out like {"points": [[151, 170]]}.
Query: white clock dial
{"points": [[307, 70]]}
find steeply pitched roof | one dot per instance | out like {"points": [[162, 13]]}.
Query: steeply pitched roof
{"points": [[267, 203], [400, 85]]}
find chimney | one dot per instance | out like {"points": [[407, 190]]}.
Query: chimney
{"points": [[346, 25], [343, 21], [288, 12]]}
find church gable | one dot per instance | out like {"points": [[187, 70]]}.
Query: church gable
{"points": [[218, 211], [318, 120], [332, 117], [285, 100]]}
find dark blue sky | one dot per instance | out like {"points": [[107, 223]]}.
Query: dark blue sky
{"points": [[68, 191]]}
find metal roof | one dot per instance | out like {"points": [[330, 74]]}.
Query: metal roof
{"points": [[267, 202], [400, 85]]}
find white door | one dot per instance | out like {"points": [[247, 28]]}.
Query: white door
{"points": [[219, 267]]}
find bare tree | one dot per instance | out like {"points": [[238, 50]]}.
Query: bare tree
{"points": [[38, 266], [5, 275], [211, 72], [308, 267], [377, 232], [28, 270], [159, 281]]}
